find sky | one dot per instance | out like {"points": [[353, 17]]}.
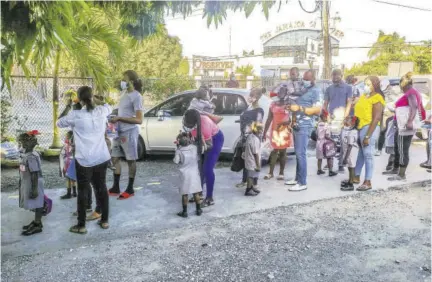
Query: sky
{"points": [[360, 22]]}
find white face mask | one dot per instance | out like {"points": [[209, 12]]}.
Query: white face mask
{"points": [[367, 90], [307, 84], [123, 85]]}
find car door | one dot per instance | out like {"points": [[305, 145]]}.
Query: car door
{"points": [[229, 106], [162, 130]]}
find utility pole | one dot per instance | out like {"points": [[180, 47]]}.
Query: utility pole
{"points": [[230, 41], [325, 12]]}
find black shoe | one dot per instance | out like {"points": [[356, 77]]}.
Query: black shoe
{"points": [[33, 229], [344, 183], [250, 192], [66, 196], [319, 172], [25, 227], [425, 165], [332, 173], [389, 167], [391, 172], [183, 214], [256, 190], [348, 187], [198, 212], [341, 169]]}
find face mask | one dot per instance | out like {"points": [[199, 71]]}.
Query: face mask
{"points": [[123, 85], [251, 100], [367, 90], [307, 84]]}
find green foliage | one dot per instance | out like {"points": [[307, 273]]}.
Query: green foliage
{"points": [[393, 48], [166, 86], [245, 71], [184, 66], [5, 116]]}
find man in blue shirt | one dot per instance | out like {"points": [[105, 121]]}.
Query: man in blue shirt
{"points": [[305, 108], [337, 101]]}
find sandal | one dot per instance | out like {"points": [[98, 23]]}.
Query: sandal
{"points": [[356, 180], [364, 188], [125, 195], [268, 176], [280, 177], [103, 225], [113, 192], [93, 216], [78, 229]]}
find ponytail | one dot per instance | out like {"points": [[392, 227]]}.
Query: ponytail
{"points": [[192, 118], [136, 81], [85, 95]]}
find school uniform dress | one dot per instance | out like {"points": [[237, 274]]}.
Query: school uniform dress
{"points": [[350, 138], [30, 162], [253, 146], [187, 159]]}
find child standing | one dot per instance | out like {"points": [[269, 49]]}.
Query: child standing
{"points": [[67, 167], [252, 158], [324, 144], [31, 184], [186, 156], [350, 149]]}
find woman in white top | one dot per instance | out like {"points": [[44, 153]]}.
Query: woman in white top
{"points": [[91, 154]]}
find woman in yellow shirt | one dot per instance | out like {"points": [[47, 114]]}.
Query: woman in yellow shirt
{"points": [[368, 110]]}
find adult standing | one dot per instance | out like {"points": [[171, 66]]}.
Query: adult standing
{"points": [[130, 115], [280, 135], [209, 136], [409, 109], [337, 102], [306, 107], [253, 113], [91, 155], [232, 82], [368, 110]]}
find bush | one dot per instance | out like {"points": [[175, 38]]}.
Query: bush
{"points": [[6, 117], [159, 89]]}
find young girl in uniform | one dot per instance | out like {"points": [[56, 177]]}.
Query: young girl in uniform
{"points": [[31, 184], [67, 168], [252, 158], [350, 150], [324, 136], [186, 156]]}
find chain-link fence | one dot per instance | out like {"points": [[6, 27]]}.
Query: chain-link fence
{"points": [[32, 107]]}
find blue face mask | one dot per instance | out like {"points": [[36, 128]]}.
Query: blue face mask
{"points": [[307, 84]]}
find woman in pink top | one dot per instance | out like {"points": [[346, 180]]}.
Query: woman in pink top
{"points": [[403, 136], [209, 136]]}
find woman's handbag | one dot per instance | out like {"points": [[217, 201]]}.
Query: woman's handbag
{"points": [[402, 116]]}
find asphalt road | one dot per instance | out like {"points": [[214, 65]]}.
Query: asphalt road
{"points": [[377, 236]]}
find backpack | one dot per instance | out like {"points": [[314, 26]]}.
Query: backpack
{"points": [[329, 149], [238, 162]]}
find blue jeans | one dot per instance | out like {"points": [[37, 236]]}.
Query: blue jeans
{"points": [[366, 154], [301, 141]]}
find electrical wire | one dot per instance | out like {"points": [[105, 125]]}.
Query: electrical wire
{"points": [[403, 6], [317, 7]]}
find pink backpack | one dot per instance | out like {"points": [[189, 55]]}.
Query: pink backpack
{"points": [[329, 149]]}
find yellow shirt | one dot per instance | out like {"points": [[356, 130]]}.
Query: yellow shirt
{"points": [[363, 108]]}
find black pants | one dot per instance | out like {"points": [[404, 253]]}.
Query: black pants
{"points": [[401, 147], [96, 176]]}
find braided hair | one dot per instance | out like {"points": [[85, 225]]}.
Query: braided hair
{"points": [[28, 140], [191, 119]]}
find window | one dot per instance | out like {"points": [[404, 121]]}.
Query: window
{"points": [[229, 104], [176, 106]]}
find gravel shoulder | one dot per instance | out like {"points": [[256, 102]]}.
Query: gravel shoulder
{"points": [[377, 236]]}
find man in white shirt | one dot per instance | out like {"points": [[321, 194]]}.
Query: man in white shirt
{"points": [[91, 154]]}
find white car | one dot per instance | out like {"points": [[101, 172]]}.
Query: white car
{"points": [[163, 122]]}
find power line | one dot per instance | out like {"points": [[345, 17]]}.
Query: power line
{"points": [[403, 6]]}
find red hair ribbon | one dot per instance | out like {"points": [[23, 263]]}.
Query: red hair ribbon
{"points": [[33, 132]]}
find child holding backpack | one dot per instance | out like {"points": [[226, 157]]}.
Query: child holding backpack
{"points": [[67, 167], [325, 146]]}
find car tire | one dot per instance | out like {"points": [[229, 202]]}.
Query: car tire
{"points": [[141, 149]]}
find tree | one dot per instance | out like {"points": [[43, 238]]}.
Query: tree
{"points": [[394, 48], [245, 71]]}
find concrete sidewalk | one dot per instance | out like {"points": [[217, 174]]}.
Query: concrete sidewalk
{"points": [[157, 201]]}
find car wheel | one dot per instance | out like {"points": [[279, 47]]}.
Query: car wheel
{"points": [[141, 149]]}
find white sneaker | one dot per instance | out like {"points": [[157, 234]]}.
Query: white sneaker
{"points": [[297, 187], [291, 182]]}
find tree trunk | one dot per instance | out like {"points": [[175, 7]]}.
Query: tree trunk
{"points": [[56, 143]]}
